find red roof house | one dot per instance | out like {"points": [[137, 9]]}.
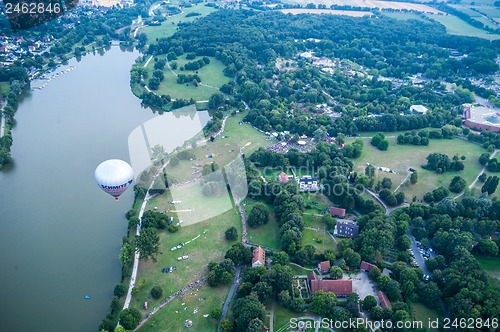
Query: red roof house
{"points": [[258, 257], [282, 177], [337, 212], [365, 266], [384, 301], [338, 287], [324, 267]]}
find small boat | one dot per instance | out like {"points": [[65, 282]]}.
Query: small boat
{"points": [[87, 297]]}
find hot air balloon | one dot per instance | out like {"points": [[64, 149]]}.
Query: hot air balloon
{"points": [[114, 176]]}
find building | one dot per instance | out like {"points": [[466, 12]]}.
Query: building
{"points": [[308, 183], [324, 267], [418, 109], [258, 257], [346, 228], [481, 118], [340, 288], [367, 267], [282, 177], [337, 212], [384, 301]]}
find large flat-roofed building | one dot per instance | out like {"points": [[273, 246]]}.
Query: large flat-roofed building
{"points": [[481, 118], [346, 228]]}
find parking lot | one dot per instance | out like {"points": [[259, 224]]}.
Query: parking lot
{"points": [[420, 254]]}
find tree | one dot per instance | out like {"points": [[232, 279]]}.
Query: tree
{"points": [[259, 215], [323, 303], [226, 325], [281, 258], [484, 158], [386, 183], [216, 313], [414, 177], [319, 135], [156, 292], [336, 272], [126, 254], [369, 302], [255, 325], [130, 318], [264, 291], [216, 100], [231, 233], [148, 243], [486, 247], [245, 310], [491, 184], [120, 290], [174, 161], [457, 184]]}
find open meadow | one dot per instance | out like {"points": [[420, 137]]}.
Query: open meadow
{"points": [[401, 157], [266, 235], [169, 26], [207, 244], [456, 26], [492, 266], [370, 4]]}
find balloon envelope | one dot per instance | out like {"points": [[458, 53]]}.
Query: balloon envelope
{"points": [[114, 176]]}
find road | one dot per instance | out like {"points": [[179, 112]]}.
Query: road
{"points": [[388, 209], [230, 295], [418, 256]]}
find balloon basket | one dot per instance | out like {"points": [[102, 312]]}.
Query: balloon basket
{"points": [[116, 199]]}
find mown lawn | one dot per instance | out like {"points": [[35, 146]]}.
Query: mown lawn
{"points": [[168, 27], [401, 157], [211, 74], [423, 314], [492, 266], [319, 239], [266, 235], [209, 244]]}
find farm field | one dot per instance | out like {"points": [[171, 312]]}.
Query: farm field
{"points": [[405, 16], [401, 157], [370, 4], [211, 245], [456, 26], [296, 11], [476, 16], [169, 26]]}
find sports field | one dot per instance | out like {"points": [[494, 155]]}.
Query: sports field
{"points": [[296, 11], [370, 4], [401, 157]]}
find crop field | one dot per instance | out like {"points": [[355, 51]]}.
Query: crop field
{"points": [[401, 157], [296, 11], [169, 26], [209, 244], [475, 15], [405, 16], [456, 26], [371, 4]]}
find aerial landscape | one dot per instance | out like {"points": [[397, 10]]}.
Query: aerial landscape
{"points": [[243, 166]]}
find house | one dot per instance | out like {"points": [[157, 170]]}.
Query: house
{"points": [[340, 288], [282, 177], [324, 267], [384, 301], [367, 267], [418, 109], [337, 212], [258, 257], [346, 228], [308, 183]]}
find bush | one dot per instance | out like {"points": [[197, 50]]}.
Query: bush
{"points": [[120, 290], [156, 292], [231, 234], [130, 318]]}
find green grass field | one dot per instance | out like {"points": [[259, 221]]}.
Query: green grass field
{"points": [[223, 150], [423, 314], [401, 157], [265, 235], [282, 317], [476, 16], [4, 87], [298, 271], [492, 266], [211, 245], [312, 237], [211, 74], [173, 316], [456, 26], [311, 220], [168, 28]]}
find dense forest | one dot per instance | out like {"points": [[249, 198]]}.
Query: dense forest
{"points": [[249, 43]]}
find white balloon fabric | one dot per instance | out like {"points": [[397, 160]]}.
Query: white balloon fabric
{"points": [[114, 176]]}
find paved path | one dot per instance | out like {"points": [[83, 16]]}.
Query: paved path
{"points": [[388, 209], [477, 177], [230, 295], [147, 62], [2, 126]]}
